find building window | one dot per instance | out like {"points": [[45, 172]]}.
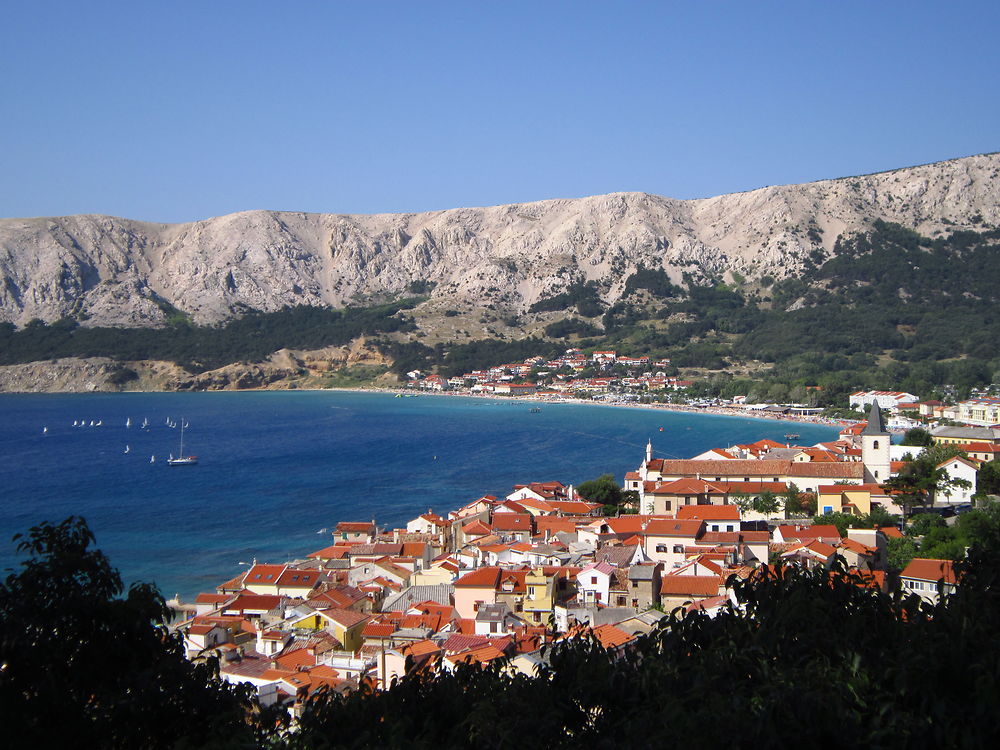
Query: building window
{"points": [[875, 444], [661, 548], [635, 602], [678, 549], [593, 579], [621, 601], [635, 584]]}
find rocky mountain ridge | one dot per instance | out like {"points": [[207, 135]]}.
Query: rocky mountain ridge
{"points": [[119, 272]]}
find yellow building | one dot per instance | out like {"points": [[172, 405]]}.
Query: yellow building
{"points": [[540, 596], [855, 499], [344, 624]]}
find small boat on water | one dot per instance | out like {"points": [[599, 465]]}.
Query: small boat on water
{"points": [[534, 409], [181, 459], [127, 449], [145, 423], [128, 421], [152, 459], [792, 436]]}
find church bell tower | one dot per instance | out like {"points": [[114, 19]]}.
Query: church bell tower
{"points": [[875, 442]]}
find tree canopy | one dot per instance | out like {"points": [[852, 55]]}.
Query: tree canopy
{"points": [[81, 665]]}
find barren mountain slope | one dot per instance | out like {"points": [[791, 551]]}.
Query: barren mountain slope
{"points": [[112, 271]]}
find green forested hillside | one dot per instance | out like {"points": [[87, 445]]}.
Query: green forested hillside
{"points": [[251, 337], [890, 309]]}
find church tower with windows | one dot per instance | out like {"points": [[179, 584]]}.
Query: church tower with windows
{"points": [[875, 442]]}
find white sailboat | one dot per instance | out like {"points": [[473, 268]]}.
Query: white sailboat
{"points": [[181, 459], [128, 421]]}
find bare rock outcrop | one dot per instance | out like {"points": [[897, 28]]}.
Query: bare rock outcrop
{"points": [[110, 271]]}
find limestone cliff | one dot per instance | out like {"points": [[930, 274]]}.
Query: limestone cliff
{"points": [[112, 271]]}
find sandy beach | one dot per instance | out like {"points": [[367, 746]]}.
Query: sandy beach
{"points": [[723, 411]]}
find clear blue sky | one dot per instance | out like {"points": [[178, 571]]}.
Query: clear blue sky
{"points": [[180, 111]]}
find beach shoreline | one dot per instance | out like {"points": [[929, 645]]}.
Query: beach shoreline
{"points": [[720, 411]]}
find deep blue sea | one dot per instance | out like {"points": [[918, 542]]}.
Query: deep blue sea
{"points": [[278, 467]]}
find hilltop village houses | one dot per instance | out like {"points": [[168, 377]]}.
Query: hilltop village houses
{"points": [[502, 577]]}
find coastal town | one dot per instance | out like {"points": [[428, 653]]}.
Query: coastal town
{"points": [[609, 377], [502, 578]]}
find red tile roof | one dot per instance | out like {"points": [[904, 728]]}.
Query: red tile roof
{"points": [[487, 577], [674, 528], [709, 512], [263, 574], [675, 585], [924, 569]]}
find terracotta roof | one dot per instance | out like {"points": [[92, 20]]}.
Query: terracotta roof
{"points": [[476, 527], [375, 629], [212, 598], [843, 470], [674, 585], [263, 574], [673, 528], [709, 512], [481, 655], [300, 657], [487, 577], [333, 552], [511, 521], [458, 642], [355, 526], [256, 602], [346, 617], [924, 569], [816, 531], [301, 579], [611, 636]]}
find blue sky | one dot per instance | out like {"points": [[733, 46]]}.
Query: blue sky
{"points": [[181, 111]]}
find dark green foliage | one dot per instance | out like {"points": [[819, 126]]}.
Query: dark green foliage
{"points": [[583, 296], [570, 327], [655, 281], [604, 490], [408, 355], [900, 552], [120, 375], [938, 540], [461, 358], [83, 666], [420, 287], [919, 479], [810, 656], [807, 654], [917, 436], [988, 478], [251, 337]]}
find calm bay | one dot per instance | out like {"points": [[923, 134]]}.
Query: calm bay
{"points": [[277, 468]]}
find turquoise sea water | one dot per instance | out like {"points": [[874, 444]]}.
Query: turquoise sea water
{"points": [[277, 467]]}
